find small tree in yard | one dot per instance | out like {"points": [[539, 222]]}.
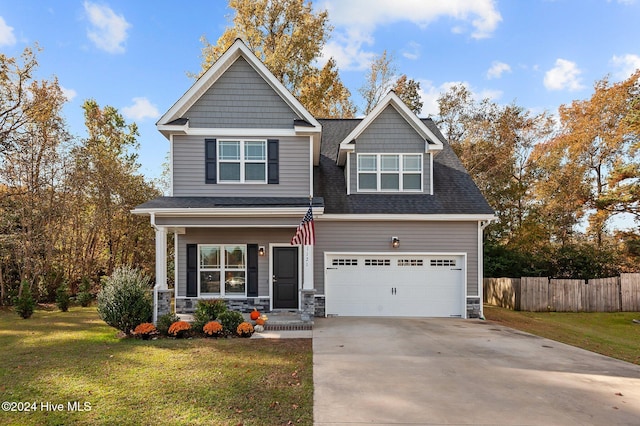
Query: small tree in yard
{"points": [[62, 298], [25, 303], [84, 295], [125, 301]]}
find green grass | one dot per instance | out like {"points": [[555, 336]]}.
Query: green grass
{"points": [[608, 333], [73, 356]]}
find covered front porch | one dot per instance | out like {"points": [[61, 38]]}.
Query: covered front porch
{"points": [[244, 257]]}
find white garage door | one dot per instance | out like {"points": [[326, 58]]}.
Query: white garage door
{"points": [[415, 285]]}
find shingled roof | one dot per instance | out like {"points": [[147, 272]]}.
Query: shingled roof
{"points": [[454, 190]]}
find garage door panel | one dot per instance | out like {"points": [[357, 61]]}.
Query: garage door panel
{"points": [[394, 285]]}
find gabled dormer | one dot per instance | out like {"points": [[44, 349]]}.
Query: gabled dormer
{"points": [[390, 151], [239, 131]]}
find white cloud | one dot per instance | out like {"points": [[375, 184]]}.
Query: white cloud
{"points": [[360, 17], [347, 49], [412, 51], [626, 64], [108, 31], [497, 69], [565, 75], [367, 14], [429, 94], [70, 94], [7, 38], [140, 110]]}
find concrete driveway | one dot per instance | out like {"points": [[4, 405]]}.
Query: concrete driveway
{"points": [[463, 372]]}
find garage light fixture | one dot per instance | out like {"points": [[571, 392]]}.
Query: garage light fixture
{"points": [[261, 251], [395, 242]]}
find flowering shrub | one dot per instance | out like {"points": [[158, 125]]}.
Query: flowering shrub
{"points": [[245, 330], [145, 330], [212, 328], [179, 328]]}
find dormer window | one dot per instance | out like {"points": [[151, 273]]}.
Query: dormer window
{"points": [[242, 161], [390, 172]]}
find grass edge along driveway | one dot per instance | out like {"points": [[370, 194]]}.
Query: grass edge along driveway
{"points": [[612, 334], [62, 361]]}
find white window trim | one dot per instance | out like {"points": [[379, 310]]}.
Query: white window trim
{"points": [[222, 269], [380, 172], [242, 161]]}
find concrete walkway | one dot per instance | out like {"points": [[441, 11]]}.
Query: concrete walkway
{"points": [[463, 372]]}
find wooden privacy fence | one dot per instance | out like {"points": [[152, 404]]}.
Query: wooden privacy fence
{"points": [[539, 294]]}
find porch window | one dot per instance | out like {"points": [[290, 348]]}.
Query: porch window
{"points": [[242, 161], [389, 172], [222, 270]]}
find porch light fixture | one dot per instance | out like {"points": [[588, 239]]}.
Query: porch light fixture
{"points": [[261, 251], [395, 242]]}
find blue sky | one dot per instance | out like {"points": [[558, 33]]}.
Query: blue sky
{"points": [[135, 55]]}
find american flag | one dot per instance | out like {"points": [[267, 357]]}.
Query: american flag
{"points": [[305, 234]]}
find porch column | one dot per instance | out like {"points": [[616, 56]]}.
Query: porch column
{"points": [[161, 274], [161, 258], [307, 268]]}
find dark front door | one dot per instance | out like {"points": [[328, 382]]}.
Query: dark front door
{"points": [[285, 278]]}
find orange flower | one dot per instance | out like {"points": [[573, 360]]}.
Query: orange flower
{"points": [[179, 326], [245, 329], [212, 328], [145, 328]]}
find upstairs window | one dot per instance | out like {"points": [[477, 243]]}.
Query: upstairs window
{"points": [[242, 161], [389, 172]]}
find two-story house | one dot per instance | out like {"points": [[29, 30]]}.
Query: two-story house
{"points": [[398, 221]]}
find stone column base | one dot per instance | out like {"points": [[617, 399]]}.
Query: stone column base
{"points": [[164, 302], [308, 305]]}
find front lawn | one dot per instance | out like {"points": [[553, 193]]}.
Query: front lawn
{"points": [[609, 333], [67, 361]]}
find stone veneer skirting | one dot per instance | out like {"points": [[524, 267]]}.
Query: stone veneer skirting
{"points": [[312, 305], [473, 307], [319, 310], [188, 306]]}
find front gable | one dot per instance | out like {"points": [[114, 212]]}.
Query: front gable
{"points": [[399, 113], [390, 151], [241, 98], [389, 132]]}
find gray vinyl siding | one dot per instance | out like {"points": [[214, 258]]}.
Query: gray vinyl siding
{"points": [[241, 98], [189, 171], [260, 236], [375, 236], [389, 133]]}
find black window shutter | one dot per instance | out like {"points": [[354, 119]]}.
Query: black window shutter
{"points": [[252, 270], [273, 171], [210, 160], [192, 270]]}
